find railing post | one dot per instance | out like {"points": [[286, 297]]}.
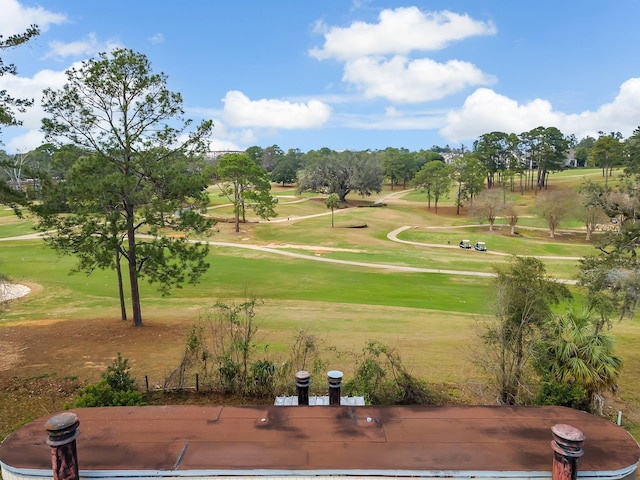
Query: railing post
{"points": [[63, 431], [334, 380], [567, 448], [303, 380]]}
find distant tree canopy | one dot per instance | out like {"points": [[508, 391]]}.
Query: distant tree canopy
{"points": [[469, 175], [399, 165], [286, 169], [328, 171], [607, 152], [531, 155], [244, 181], [435, 179]]}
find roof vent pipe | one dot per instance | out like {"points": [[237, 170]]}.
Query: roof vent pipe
{"points": [[63, 431], [567, 448], [303, 380], [334, 380]]}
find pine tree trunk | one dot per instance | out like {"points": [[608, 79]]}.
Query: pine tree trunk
{"points": [[123, 307], [133, 271]]}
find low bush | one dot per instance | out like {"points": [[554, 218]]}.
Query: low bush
{"points": [[116, 388]]}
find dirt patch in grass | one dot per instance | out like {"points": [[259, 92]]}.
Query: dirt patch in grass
{"points": [[42, 364]]}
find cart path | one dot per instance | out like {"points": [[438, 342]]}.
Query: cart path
{"points": [[277, 251], [316, 258], [393, 236]]}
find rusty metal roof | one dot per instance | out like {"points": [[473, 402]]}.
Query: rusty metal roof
{"points": [[336, 440]]}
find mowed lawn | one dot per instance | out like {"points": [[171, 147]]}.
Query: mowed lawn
{"points": [[430, 318]]}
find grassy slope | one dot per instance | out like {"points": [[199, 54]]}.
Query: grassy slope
{"points": [[429, 317]]}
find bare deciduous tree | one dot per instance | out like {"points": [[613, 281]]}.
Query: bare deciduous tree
{"points": [[488, 205], [511, 214], [554, 206]]}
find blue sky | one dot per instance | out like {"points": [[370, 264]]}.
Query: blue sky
{"points": [[351, 74]]}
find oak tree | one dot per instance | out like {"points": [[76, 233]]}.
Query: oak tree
{"points": [[488, 205], [554, 206], [328, 171]]}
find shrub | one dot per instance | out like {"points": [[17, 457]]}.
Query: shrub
{"points": [[115, 388], [571, 395], [306, 353], [101, 394], [220, 348], [382, 379], [263, 376], [118, 376]]}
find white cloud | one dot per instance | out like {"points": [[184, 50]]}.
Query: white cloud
{"points": [[392, 119], [399, 31], [240, 111], [26, 142], [486, 111], [157, 38], [88, 47], [620, 115], [27, 137], [222, 137], [25, 87], [404, 81], [16, 18]]}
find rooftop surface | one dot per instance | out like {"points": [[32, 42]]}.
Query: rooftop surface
{"points": [[346, 440]]}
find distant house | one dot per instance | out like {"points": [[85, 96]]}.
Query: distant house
{"points": [[570, 161]]}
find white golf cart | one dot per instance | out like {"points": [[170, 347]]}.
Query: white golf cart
{"points": [[481, 246], [466, 244]]}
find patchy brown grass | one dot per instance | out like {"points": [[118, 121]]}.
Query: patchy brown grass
{"points": [[42, 364]]}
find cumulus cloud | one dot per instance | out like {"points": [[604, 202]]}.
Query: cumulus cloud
{"points": [[30, 140], [391, 119], [29, 136], [399, 32], [376, 55], [404, 81], [25, 87], [16, 18], [88, 47], [486, 111], [240, 111], [620, 115]]}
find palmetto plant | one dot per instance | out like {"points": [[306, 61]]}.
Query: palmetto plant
{"points": [[580, 354]]}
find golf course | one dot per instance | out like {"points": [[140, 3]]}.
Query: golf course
{"points": [[389, 270]]}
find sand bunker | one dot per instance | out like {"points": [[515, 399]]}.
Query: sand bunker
{"points": [[11, 291]]}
